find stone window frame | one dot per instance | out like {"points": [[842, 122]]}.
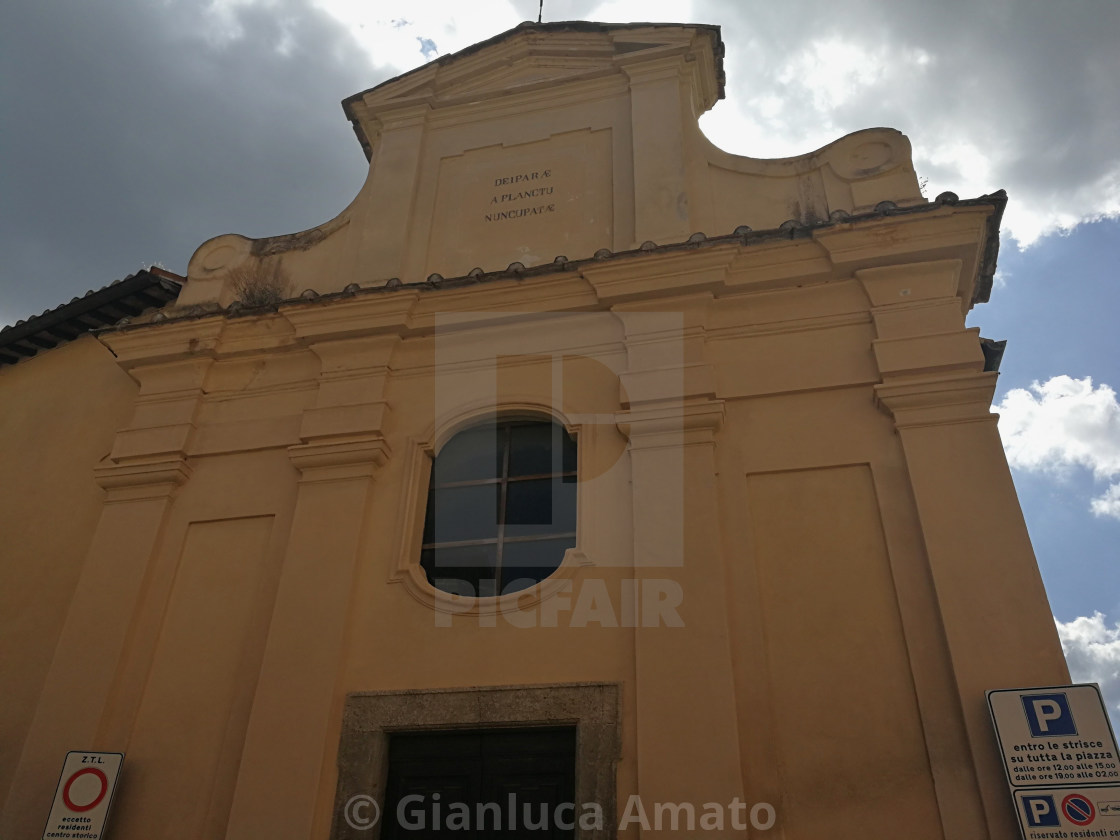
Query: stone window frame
{"points": [[413, 495], [368, 718]]}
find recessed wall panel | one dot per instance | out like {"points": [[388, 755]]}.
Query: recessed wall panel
{"points": [[852, 755]]}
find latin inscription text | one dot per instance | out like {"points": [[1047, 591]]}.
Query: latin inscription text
{"points": [[525, 187]]}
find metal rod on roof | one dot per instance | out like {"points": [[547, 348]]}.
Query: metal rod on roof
{"points": [[540, 11]]}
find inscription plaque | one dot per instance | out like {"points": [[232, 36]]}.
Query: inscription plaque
{"points": [[526, 203]]}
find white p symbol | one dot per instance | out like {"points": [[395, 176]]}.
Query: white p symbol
{"points": [[1044, 712], [1039, 807]]}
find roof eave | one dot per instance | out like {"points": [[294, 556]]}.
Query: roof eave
{"points": [[147, 289]]}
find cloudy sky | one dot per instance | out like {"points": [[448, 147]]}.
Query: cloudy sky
{"points": [[133, 130]]}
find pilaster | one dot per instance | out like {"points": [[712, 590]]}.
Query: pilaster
{"points": [[935, 388], [381, 238], [672, 419], [146, 467], [341, 448], [661, 211]]}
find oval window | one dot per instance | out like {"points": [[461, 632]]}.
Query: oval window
{"points": [[501, 507]]}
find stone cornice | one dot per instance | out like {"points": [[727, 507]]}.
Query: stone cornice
{"points": [[404, 115], [161, 342], [338, 459], [740, 263], [672, 425], [665, 274], [536, 60], [646, 71], [138, 480], [778, 264], [355, 316], [947, 233], [938, 400], [559, 292], [604, 83]]}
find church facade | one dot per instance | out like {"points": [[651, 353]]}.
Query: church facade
{"points": [[577, 462]]}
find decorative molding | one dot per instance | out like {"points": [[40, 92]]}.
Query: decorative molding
{"points": [[672, 425], [349, 318], [922, 353], [642, 70], [678, 383], [339, 459], [931, 365], [788, 326], [150, 344], [149, 479], [336, 421], [904, 284], [937, 400], [669, 274], [946, 233], [410, 521], [417, 585]]}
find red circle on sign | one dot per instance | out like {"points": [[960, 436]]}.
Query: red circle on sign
{"points": [[96, 800], [1075, 806]]}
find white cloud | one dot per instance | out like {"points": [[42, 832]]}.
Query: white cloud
{"points": [[1108, 503], [1016, 94], [403, 37], [963, 80], [1062, 424], [1092, 650]]}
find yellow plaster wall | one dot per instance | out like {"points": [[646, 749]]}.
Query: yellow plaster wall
{"points": [[547, 144], [767, 431], [59, 412], [838, 664], [794, 431]]}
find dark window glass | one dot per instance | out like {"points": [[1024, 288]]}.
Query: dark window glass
{"points": [[470, 455], [526, 562], [540, 506], [493, 488], [464, 512], [463, 569], [483, 770], [541, 449]]}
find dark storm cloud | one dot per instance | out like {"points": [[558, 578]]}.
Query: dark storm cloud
{"points": [[133, 131], [1031, 84]]}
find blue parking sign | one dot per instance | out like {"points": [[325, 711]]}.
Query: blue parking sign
{"points": [[1040, 811], [1048, 715]]}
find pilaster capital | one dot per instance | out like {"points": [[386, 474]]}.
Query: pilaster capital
{"points": [[356, 317], [666, 356], [147, 479], [937, 400], [191, 340], [671, 425], [339, 458], [905, 284], [670, 67]]}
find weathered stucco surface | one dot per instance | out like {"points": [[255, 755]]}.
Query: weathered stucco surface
{"points": [[550, 142], [212, 520]]}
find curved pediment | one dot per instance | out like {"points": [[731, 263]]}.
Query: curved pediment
{"points": [[538, 56], [550, 140]]}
